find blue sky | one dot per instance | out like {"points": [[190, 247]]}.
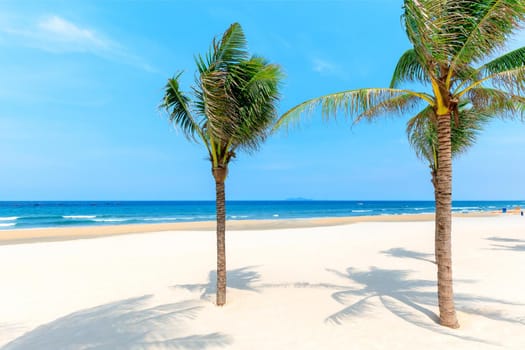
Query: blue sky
{"points": [[81, 82]]}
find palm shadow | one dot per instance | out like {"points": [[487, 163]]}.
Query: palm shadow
{"points": [[405, 298], [124, 324], [241, 278], [513, 247], [387, 286], [411, 254]]}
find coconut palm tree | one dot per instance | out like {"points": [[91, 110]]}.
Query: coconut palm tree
{"points": [[233, 109], [453, 45]]}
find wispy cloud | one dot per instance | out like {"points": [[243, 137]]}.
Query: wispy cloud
{"points": [[58, 31], [324, 66], [57, 35]]}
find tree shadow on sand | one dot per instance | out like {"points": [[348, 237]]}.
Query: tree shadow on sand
{"points": [[411, 254], [505, 244], [242, 279], [406, 298], [125, 324]]}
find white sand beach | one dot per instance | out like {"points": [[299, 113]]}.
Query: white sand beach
{"points": [[365, 285]]}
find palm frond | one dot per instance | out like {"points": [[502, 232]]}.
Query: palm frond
{"points": [[258, 94], [229, 50], [505, 71], [355, 103], [422, 135], [486, 25], [426, 22], [422, 132], [509, 61], [464, 134], [232, 48], [489, 98], [398, 105], [512, 80], [409, 69], [218, 103], [498, 103], [176, 103]]}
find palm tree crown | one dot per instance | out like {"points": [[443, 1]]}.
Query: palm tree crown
{"points": [[234, 99]]}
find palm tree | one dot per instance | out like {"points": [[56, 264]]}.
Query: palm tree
{"points": [[234, 106], [449, 39]]}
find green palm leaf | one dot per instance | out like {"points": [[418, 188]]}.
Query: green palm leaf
{"points": [[423, 137], [177, 105], [486, 26], [509, 61], [259, 93], [409, 69], [363, 103]]}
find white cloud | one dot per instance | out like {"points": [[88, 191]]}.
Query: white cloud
{"points": [[328, 68], [324, 66], [58, 35], [57, 30]]}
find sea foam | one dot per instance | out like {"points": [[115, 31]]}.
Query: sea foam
{"points": [[110, 220], [79, 216]]}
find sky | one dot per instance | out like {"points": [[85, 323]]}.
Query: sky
{"points": [[81, 82]]}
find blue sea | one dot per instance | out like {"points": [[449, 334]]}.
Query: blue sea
{"points": [[23, 215]]}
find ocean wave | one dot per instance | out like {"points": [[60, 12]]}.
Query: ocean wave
{"points": [[275, 215], [7, 225], [110, 220], [465, 211], [79, 216], [361, 211], [9, 218], [238, 216], [160, 219], [197, 218]]}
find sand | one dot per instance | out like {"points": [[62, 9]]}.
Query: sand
{"points": [[350, 285]]}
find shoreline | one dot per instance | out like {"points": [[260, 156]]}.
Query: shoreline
{"points": [[54, 234]]}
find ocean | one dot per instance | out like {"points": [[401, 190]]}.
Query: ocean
{"points": [[33, 214]]}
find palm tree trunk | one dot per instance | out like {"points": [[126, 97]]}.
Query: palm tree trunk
{"points": [[434, 184], [220, 176], [447, 312]]}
